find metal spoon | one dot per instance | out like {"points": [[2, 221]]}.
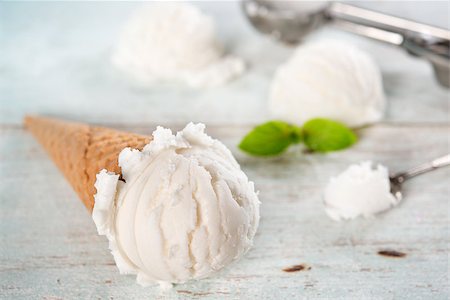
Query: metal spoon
{"points": [[398, 178], [292, 25]]}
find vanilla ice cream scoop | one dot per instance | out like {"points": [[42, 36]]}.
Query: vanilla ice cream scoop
{"points": [[174, 42], [182, 210], [328, 79], [361, 190]]}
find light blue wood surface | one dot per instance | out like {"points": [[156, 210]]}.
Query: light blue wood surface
{"points": [[54, 59]]}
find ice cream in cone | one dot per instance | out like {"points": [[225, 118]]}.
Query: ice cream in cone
{"points": [[173, 207]]}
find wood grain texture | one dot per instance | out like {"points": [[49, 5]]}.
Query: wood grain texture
{"points": [[54, 64], [50, 247]]}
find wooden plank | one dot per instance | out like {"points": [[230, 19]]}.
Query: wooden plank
{"points": [[50, 248]]}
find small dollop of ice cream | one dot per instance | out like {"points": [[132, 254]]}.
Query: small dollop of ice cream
{"points": [[361, 190], [183, 210], [174, 42], [328, 79]]}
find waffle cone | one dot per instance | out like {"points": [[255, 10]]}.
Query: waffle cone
{"points": [[81, 151]]}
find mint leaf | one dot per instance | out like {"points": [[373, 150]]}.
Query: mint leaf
{"points": [[270, 138], [323, 135]]}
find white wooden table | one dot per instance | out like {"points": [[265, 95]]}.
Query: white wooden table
{"points": [[54, 60]]}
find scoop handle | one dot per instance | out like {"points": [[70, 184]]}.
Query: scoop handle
{"points": [[418, 39], [362, 16], [424, 168]]}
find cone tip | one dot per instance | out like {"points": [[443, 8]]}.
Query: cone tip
{"points": [[27, 120]]}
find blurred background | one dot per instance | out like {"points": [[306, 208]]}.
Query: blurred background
{"points": [[55, 58]]}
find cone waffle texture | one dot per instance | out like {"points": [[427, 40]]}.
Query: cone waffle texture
{"points": [[80, 151]]}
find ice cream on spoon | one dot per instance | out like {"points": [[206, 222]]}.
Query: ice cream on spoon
{"points": [[361, 190], [365, 189]]}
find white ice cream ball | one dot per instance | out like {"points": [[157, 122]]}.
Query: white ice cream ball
{"points": [[328, 79], [174, 42], [185, 210], [361, 190]]}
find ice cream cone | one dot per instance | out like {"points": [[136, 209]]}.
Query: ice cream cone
{"points": [[80, 151]]}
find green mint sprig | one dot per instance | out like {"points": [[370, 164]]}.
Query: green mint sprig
{"points": [[320, 135], [271, 138]]}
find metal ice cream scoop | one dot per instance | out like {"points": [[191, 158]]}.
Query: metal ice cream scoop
{"points": [[292, 25], [398, 178]]}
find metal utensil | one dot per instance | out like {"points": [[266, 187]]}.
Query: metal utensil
{"points": [[292, 25], [398, 178]]}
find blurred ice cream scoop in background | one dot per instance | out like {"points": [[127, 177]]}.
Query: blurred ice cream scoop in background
{"points": [[174, 42], [328, 79]]}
